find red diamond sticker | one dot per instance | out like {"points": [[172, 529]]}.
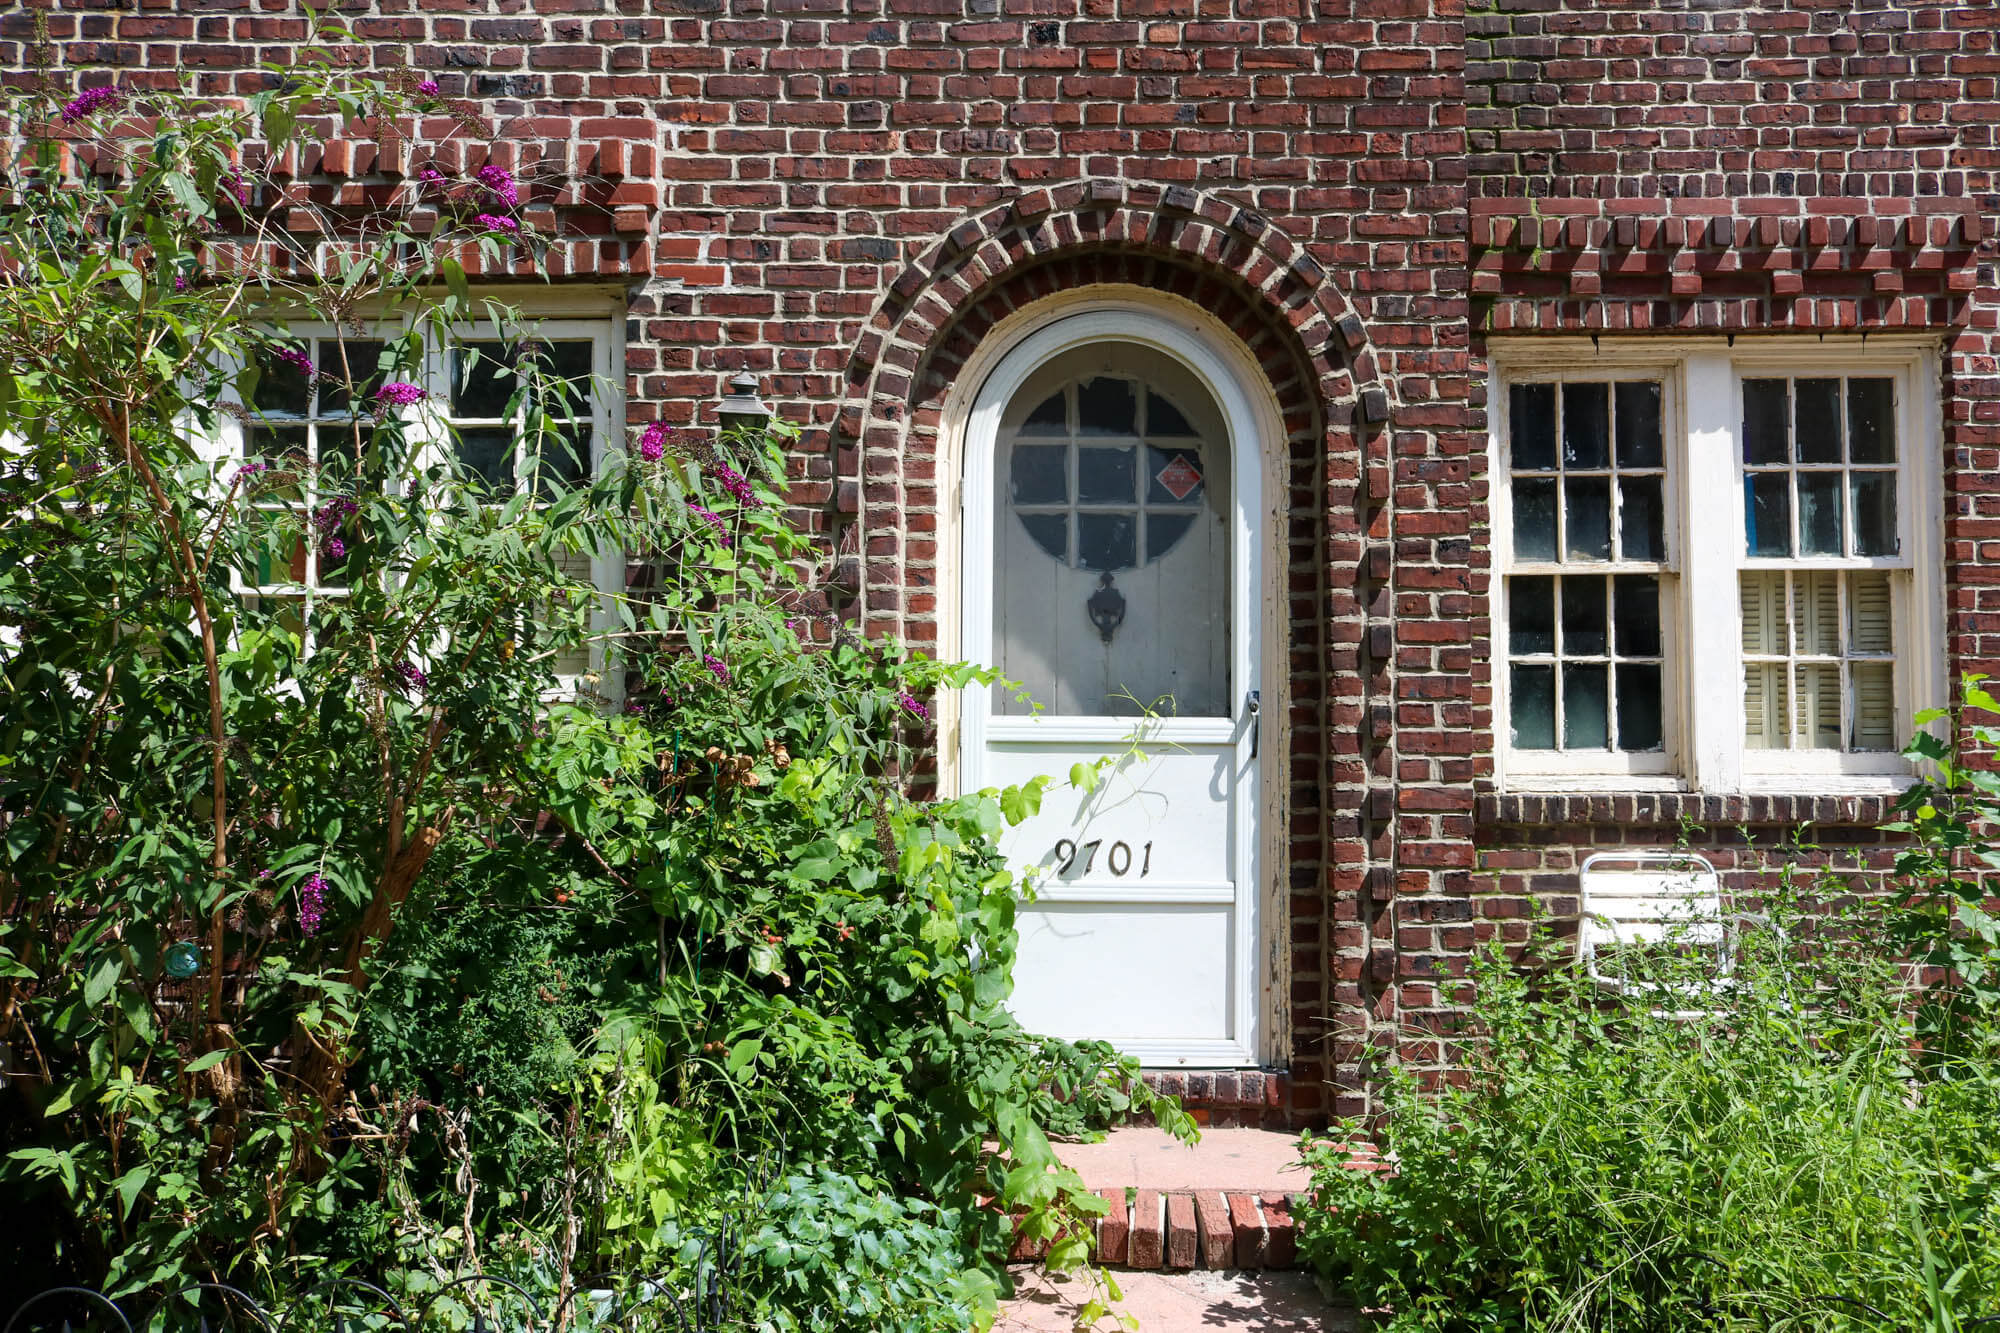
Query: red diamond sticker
{"points": [[1179, 478]]}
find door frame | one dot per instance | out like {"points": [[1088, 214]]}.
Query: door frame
{"points": [[1182, 330]]}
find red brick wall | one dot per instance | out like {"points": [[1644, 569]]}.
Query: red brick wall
{"points": [[1784, 166], [840, 195]]}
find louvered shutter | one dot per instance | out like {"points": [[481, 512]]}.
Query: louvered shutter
{"points": [[1765, 694], [1870, 608]]}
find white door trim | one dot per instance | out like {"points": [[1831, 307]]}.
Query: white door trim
{"points": [[1181, 330]]}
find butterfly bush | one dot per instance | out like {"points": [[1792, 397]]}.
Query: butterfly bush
{"points": [[91, 101], [398, 393]]}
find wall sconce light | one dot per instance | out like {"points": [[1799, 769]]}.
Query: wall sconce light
{"points": [[742, 409]]}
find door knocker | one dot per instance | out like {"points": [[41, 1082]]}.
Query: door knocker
{"points": [[1106, 607]]}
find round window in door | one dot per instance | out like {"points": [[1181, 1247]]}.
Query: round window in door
{"points": [[1113, 563]]}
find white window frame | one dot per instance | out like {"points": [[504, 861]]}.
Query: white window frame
{"points": [[1702, 417], [428, 433]]}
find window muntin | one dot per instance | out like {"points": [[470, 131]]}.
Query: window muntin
{"points": [[1820, 458], [1819, 467], [1809, 667], [472, 405], [1588, 496]]}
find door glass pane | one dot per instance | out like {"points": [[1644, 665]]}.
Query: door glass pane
{"points": [[1112, 558]]}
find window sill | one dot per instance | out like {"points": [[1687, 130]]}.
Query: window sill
{"points": [[1640, 809]]}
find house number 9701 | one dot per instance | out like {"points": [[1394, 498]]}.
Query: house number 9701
{"points": [[1118, 859]]}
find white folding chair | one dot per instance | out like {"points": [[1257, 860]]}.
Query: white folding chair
{"points": [[1647, 897]]}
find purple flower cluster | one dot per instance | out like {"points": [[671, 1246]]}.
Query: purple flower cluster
{"points": [[312, 903], [716, 666], [335, 549], [329, 516], [912, 706], [501, 183], [298, 361], [734, 482], [411, 675], [430, 176], [89, 102], [397, 393], [493, 222], [238, 187], [714, 521], [427, 87], [653, 443], [249, 470], [180, 282]]}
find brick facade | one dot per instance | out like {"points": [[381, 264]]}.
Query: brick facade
{"points": [[841, 196]]}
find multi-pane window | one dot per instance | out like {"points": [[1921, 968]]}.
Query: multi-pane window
{"points": [[1718, 565], [515, 414], [1588, 494], [300, 414], [1819, 497]]}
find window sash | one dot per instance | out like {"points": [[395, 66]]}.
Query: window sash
{"points": [[1706, 745]]}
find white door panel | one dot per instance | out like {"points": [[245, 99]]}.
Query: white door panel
{"points": [[1069, 985]]}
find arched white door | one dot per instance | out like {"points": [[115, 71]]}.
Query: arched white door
{"points": [[1112, 568]]}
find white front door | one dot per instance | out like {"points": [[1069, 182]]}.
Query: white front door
{"points": [[1111, 569]]}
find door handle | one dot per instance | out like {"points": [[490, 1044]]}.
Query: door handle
{"points": [[1253, 708]]}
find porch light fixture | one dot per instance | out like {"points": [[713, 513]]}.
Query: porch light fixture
{"points": [[742, 409]]}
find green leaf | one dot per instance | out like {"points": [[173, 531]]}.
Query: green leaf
{"points": [[97, 986], [129, 1185], [207, 1061]]}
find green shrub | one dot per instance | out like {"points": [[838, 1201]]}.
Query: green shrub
{"points": [[1767, 1157]]}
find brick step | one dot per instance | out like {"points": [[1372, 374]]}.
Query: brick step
{"points": [[1176, 1230]]}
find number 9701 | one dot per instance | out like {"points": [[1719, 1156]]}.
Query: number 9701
{"points": [[1117, 858]]}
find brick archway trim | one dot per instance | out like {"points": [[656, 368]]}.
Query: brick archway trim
{"points": [[1172, 222]]}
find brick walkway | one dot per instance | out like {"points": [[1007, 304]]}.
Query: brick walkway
{"points": [[1198, 1302]]}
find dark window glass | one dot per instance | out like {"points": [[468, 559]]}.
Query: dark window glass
{"points": [[1767, 513], [1871, 421], [1636, 615], [1163, 531], [1106, 476], [1040, 474], [1817, 431], [282, 449], [1586, 425], [1639, 725], [1765, 412], [1587, 517], [1586, 706], [1819, 513], [1048, 419], [1106, 406], [482, 380], [1531, 615], [487, 452], [1639, 439], [1531, 413], [1163, 418], [1106, 541], [1532, 707], [282, 390], [569, 363], [1583, 617], [1874, 497], [1642, 519], [1050, 531], [1534, 520], [362, 361], [565, 458]]}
